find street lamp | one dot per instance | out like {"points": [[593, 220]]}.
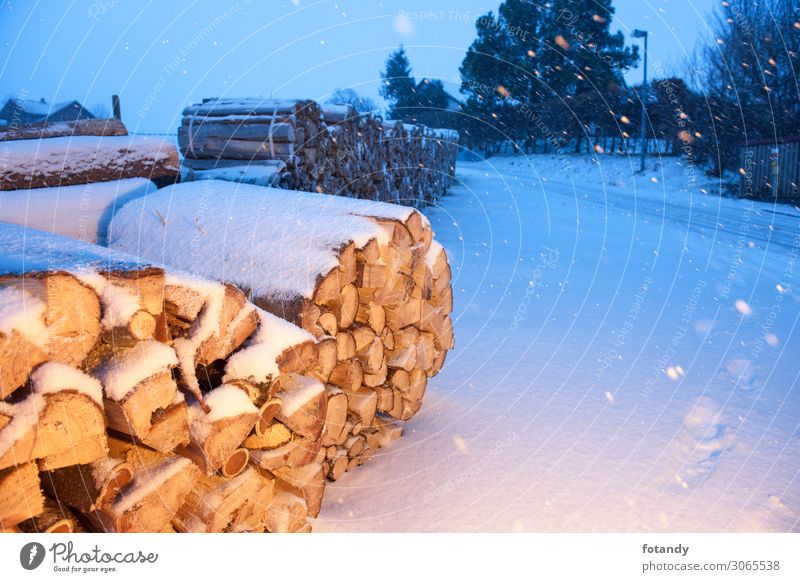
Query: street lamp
{"points": [[643, 34]]}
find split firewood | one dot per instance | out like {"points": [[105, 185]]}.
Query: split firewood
{"points": [[90, 486], [150, 501], [51, 316], [335, 417], [347, 375], [20, 494], [251, 516], [54, 519], [272, 437], [137, 383], [293, 454], [303, 404], [363, 404], [60, 422], [213, 502], [217, 434], [309, 480], [287, 513]]}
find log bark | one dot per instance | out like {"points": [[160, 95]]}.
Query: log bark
{"points": [[101, 127]]}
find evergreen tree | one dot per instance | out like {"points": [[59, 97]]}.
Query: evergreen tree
{"points": [[560, 53], [399, 87]]}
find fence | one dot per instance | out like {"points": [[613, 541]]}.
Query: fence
{"points": [[771, 169]]}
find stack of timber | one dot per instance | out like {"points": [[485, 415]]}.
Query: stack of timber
{"points": [[136, 398], [68, 178], [330, 149], [367, 274]]}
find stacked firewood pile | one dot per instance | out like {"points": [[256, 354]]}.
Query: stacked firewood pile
{"points": [[69, 177], [136, 398], [366, 273], [329, 149]]}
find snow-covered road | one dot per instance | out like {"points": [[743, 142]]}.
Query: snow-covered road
{"points": [[626, 360]]}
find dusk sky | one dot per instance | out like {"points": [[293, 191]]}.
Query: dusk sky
{"points": [[161, 56]]}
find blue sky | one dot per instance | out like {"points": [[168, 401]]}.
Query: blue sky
{"points": [[160, 56]]}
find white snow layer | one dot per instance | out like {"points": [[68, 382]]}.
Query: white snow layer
{"points": [[578, 285], [24, 418], [55, 377], [148, 481], [27, 251], [130, 366], [256, 362], [302, 390], [81, 212], [231, 232], [118, 303], [225, 401], [22, 312], [70, 154]]}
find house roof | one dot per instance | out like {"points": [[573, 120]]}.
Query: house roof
{"points": [[41, 107]]}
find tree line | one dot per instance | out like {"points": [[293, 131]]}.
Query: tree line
{"points": [[552, 75]]}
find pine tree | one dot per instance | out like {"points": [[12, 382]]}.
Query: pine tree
{"points": [[556, 61], [399, 87]]}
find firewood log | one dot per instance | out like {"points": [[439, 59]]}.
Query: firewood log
{"points": [[212, 504], [20, 494], [309, 480], [87, 487], [303, 404], [63, 161], [150, 501], [215, 435], [60, 422], [54, 519], [64, 128]]}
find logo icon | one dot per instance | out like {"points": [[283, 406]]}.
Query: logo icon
{"points": [[31, 555]]}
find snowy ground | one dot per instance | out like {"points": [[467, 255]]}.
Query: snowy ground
{"points": [[626, 360]]}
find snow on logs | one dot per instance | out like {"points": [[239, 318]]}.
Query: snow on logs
{"points": [[329, 148], [83, 159], [366, 276], [138, 398]]}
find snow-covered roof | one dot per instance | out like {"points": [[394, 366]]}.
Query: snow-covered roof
{"points": [[42, 107]]}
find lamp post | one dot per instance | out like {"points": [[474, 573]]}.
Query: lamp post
{"points": [[643, 34]]}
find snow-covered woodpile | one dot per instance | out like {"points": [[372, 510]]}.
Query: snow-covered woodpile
{"points": [[82, 159], [301, 145], [139, 398], [368, 274]]}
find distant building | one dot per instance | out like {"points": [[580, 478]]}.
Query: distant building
{"points": [[19, 111]]}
